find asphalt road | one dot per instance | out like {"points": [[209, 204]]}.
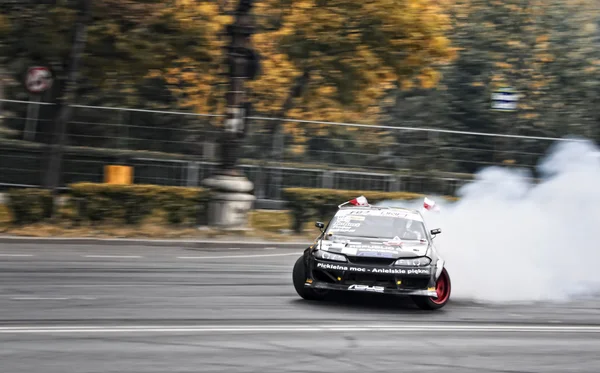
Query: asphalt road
{"points": [[147, 309]]}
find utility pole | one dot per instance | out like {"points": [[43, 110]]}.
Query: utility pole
{"points": [[67, 98], [232, 191]]}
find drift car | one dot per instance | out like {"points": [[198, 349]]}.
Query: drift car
{"points": [[383, 250]]}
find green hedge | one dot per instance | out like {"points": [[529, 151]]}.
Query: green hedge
{"points": [[133, 203], [306, 203], [129, 204], [29, 206]]}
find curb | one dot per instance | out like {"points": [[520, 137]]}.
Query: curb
{"points": [[213, 244]]}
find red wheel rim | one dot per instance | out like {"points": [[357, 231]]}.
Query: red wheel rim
{"points": [[442, 288]]}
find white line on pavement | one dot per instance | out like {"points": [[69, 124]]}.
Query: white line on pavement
{"points": [[236, 256], [270, 248], [51, 298], [16, 255], [305, 328], [111, 256]]}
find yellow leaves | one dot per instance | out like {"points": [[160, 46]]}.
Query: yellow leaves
{"points": [[154, 73], [542, 39], [524, 106], [296, 150], [503, 65], [537, 85], [440, 43], [529, 115], [406, 84], [545, 58], [498, 80], [5, 26], [190, 82], [327, 90], [341, 30], [429, 78], [514, 8], [210, 9], [304, 4]]}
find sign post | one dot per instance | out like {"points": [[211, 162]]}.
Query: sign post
{"points": [[37, 81], [505, 99]]}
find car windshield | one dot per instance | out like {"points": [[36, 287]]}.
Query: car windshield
{"points": [[376, 224]]}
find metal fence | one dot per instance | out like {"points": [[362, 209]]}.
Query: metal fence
{"points": [[177, 148]]}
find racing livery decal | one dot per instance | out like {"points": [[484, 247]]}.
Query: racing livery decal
{"points": [[389, 270], [376, 289]]}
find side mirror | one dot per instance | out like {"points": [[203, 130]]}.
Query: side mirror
{"points": [[436, 231], [320, 225]]}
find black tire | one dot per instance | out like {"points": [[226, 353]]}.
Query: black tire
{"points": [[430, 303], [299, 278]]}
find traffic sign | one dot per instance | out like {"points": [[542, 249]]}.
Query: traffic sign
{"points": [[38, 80], [505, 99]]}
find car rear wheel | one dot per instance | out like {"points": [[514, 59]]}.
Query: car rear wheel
{"points": [[299, 278], [443, 288]]}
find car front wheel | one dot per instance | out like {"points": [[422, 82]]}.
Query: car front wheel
{"points": [[443, 288], [299, 278]]}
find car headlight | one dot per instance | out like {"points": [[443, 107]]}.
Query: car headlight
{"points": [[330, 256], [413, 262]]}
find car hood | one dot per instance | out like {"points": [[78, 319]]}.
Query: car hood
{"points": [[369, 247]]}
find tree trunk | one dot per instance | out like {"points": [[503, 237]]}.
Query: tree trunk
{"points": [[277, 136], [288, 104], [66, 99]]}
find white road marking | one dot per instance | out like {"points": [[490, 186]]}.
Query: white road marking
{"points": [[50, 298], [234, 248], [237, 256], [16, 255], [305, 328], [270, 248], [111, 256], [98, 285]]}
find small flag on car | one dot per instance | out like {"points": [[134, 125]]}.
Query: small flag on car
{"points": [[430, 205], [360, 201]]}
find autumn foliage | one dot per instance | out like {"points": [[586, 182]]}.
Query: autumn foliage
{"points": [[429, 63]]}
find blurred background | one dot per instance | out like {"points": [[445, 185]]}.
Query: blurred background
{"points": [[382, 95]]}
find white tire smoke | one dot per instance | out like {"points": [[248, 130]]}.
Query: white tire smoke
{"points": [[509, 239]]}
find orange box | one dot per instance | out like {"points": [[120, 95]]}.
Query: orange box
{"points": [[115, 174]]}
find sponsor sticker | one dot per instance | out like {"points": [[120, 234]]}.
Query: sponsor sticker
{"points": [[396, 241], [385, 213], [375, 289], [391, 270], [402, 271], [376, 254], [349, 250], [345, 225], [379, 248]]}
